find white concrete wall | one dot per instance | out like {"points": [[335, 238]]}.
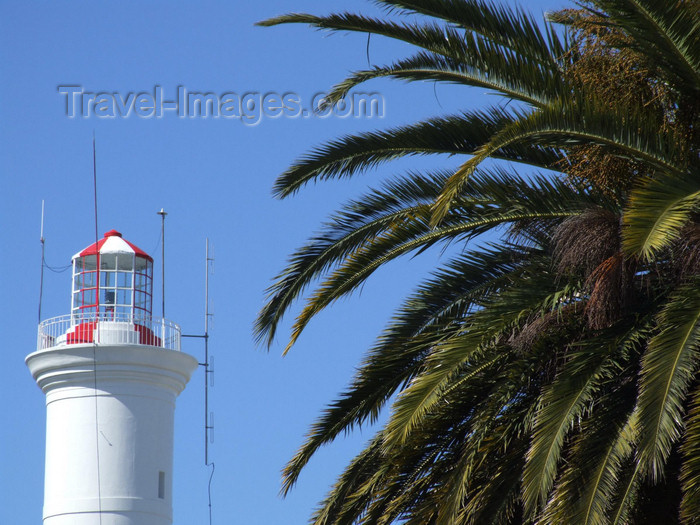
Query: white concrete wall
{"points": [[123, 428]]}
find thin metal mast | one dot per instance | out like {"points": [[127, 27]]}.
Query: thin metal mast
{"points": [[41, 279], [97, 250], [207, 423], [162, 214], [208, 374]]}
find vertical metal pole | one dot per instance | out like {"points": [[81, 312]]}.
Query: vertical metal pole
{"points": [[206, 354], [97, 249], [41, 279], [162, 214]]}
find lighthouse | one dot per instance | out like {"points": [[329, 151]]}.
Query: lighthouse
{"points": [[110, 372]]}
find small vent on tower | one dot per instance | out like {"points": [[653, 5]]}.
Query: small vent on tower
{"points": [[161, 484]]}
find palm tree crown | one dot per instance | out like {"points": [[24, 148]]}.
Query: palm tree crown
{"points": [[551, 376]]}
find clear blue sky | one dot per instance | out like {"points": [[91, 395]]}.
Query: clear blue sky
{"points": [[214, 178]]}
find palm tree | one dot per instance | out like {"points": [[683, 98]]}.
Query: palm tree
{"points": [[549, 377]]}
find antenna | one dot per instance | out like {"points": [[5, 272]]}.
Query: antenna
{"points": [[43, 245], [208, 375], [208, 372], [97, 251], [162, 214]]}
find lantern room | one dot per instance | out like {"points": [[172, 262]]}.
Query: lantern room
{"points": [[111, 300], [112, 297], [112, 279]]}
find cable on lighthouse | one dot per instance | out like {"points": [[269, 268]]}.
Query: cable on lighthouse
{"points": [[97, 330]]}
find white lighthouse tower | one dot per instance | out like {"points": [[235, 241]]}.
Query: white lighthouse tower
{"points": [[111, 373]]}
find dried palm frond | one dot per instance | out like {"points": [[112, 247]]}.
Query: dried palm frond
{"points": [[610, 286], [583, 242]]}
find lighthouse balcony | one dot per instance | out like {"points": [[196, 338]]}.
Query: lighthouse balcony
{"points": [[109, 328]]}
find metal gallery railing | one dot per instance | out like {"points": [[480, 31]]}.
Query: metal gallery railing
{"points": [[108, 328]]}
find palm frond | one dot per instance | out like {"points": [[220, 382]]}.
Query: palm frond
{"points": [[668, 33], [623, 505], [509, 27], [601, 450], [562, 404], [357, 223], [508, 75], [424, 319], [657, 211], [453, 135], [603, 439], [690, 471], [668, 368], [449, 360], [510, 200], [566, 123]]}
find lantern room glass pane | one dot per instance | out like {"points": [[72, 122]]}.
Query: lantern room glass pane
{"points": [[125, 262], [142, 282], [89, 262], [108, 261], [107, 279], [140, 299], [124, 279], [124, 297], [89, 296], [107, 297], [123, 312], [142, 265], [87, 280]]}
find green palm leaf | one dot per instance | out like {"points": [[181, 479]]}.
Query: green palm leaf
{"points": [[583, 122], [457, 134], [624, 504], [657, 211], [509, 75], [397, 357], [509, 27], [562, 404], [356, 224], [668, 368], [666, 32], [690, 471], [463, 352], [603, 438]]}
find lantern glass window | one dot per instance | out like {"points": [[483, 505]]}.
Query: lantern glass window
{"points": [[107, 279], [125, 262], [108, 261], [88, 262], [124, 297], [142, 265], [124, 279], [89, 296]]}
